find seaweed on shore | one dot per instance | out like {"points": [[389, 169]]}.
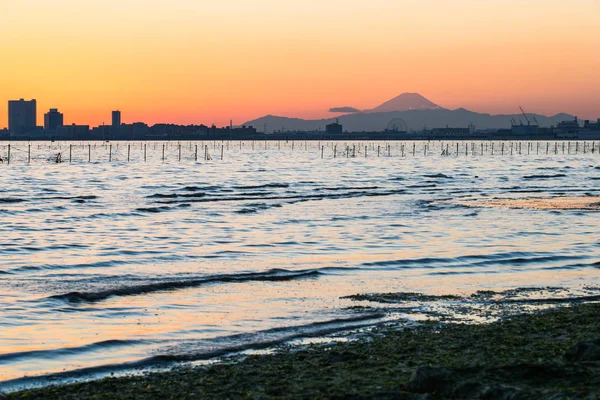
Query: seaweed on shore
{"points": [[400, 297], [553, 354]]}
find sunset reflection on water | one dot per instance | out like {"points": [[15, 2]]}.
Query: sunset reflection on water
{"points": [[194, 257]]}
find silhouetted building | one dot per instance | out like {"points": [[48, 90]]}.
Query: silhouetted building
{"points": [[449, 131], [593, 126], [567, 129], [138, 130], [116, 118], [69, 132], [334, 128], [22, 116], [568, 125], [524, 129], [53, 119]]}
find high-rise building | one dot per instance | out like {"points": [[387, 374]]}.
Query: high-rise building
{"points": [[116, 118], [53, 119], [335, 127], [22, 116]]}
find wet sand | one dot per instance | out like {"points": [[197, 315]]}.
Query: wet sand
{"points": [[551, 203]]}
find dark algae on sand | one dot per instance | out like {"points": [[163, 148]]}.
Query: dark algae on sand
{"points": [[551, 354]]}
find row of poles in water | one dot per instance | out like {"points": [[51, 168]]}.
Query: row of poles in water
{"points": [[346, 150]]}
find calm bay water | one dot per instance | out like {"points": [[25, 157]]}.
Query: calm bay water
{"points": [[105, 265]]}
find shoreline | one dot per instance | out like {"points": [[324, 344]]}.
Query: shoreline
{"points": [[553, 353]]}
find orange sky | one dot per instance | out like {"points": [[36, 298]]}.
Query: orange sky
{"points": [[203, 61]]}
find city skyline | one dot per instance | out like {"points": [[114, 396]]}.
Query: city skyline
{"points": [[188, 62]]}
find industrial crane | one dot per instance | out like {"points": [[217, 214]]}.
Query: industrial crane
{"points": [[525, 115]]}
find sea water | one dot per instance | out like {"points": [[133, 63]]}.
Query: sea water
{"points": [[113, 264]]}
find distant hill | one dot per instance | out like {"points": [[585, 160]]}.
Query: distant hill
{"points": [[405, 102], [415, 119]]}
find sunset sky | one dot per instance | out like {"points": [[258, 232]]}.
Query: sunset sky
{"points": [[206, 61]]}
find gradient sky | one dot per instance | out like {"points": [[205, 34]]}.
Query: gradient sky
{"points": [[206, 61]]}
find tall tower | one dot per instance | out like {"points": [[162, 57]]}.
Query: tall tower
{"points": [[22, 116], [53, 119], [116, 119]]}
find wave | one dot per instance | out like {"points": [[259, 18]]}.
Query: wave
{"points": [[265, 186], [254, 208], [11, 200], [89, 197], [152, 209], [307, 197], [99, 264], [511, 258], [201, 188], [348, 188], [11, 357], [267, 338], [163, 196], [215, 348], [155, 210], [175, 195], [442, 176], [197, 194], [544, 176], [272, 275], [424, 186]]}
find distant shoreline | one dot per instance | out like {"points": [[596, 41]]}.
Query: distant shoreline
{"points": [[291, 137]]}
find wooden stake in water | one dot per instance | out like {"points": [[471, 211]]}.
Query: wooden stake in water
{"points": [[89, 153], [8, 155], [222, 147], [163, 153], [110, 153], [196, 153], [179, 158], [322, 150], [144, 152], [70, 152], [335, 151], [128, 151]]}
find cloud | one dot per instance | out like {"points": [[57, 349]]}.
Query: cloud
{"points": [[344, 110]]}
